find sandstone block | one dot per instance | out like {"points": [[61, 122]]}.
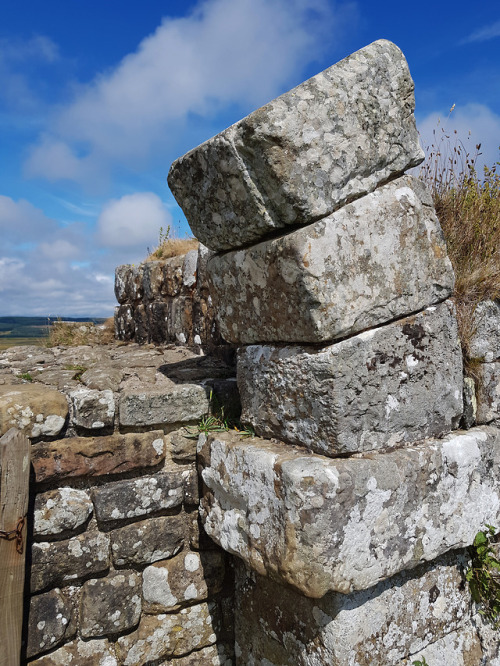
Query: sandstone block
{"points": [[214, 655], [148, 541], [61, 510], [103, 377], [153, 407], [485, 341], [488, 392], [97, 456], [379, 258], [66, 561], [381, 625], [159, 637], [35, 410], [81, 653], [110, 605], [297, 159], [397, 383], [182, 446], [51, 621], [92, 410], [322, 524], [139, 497], [181, 581]]}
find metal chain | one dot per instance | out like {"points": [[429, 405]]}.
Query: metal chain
{"points": [[16, 534]]}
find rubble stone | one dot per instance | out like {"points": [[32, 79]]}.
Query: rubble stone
{"points": [[305, 154], [33, 409], [61, 510], [397, 383], [92, 410], [51, 622], [147, 541]]}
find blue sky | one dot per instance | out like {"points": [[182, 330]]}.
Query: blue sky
{"points": [[98, 98]]}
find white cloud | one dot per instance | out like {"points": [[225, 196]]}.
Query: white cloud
{"points": [[133, 220], [226, 52], [484, 34], [20, 221], [468, 126]]}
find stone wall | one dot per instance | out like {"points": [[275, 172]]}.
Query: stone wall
{"points": [[119, 569]]}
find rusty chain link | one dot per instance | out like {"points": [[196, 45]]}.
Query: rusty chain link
{"points": [[16, 534]]}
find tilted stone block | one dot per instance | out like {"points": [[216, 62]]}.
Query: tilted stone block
{"points": [[297, 159], [97, 456], [381, 625], [323, 525], [61, 510], [397, 383], [169, 635], [378, 258]]}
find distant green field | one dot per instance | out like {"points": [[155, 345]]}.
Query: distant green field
{"points": [[5, 343]]}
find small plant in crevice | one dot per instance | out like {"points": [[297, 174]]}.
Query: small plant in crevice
{"points": [[483, 576], [170, 246], [218, 421], [420, 662], [26, 376], [79, 370]]}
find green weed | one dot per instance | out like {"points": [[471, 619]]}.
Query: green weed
{"points": [[483, 576]]}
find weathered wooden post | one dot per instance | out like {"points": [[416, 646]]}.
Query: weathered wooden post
{"points": [[14, 491]]}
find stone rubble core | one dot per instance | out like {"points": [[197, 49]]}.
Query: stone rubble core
{"points": [[384, 387], [297, 159], [381, 257], [320, 524]]}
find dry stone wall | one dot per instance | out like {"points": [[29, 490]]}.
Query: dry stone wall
{"points": [[352, 510], [119, 569]]}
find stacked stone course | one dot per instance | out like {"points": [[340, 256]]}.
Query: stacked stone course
{"points": [[330, 272]]}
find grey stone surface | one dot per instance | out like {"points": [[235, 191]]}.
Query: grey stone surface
{"points": [[322, 525], [182, 446], [150, 407], [110, 605], [102, 377], [470, 404], [81, 653], [214, 655], [458, 648], [91, 409], [129, 283], [139, 497], [60, 510], [148, 540], [381, 625], [297, 159], [163, 636], [485, 341], [185, 579], [124, 322], [488, 392], [63, 562], [379, 258], [52, 621], [397, 383]]}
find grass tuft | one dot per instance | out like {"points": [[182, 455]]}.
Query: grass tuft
{"points": [[169, 246], [467, 203], [75, 334]]}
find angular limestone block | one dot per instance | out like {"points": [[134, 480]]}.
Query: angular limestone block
{"points": [[297, 159], [485, 340], [397, 383], [488, 392], [92, 410], [129, 283], [381, 257], [388, 622], [341, 525]]}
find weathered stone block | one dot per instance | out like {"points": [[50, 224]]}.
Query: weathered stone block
{"points": [[148, 540], [81, 653], [61, 510], [129, 283], [379, 258], [181, 581], [154, 407], [139, 497], [124, 322], [459, 648], [214, 655], [397, 383], [158, 314], [141, 324], [110, 605], [485, 341], [35, 410], [488, 392], [182, 446], [470, 404], [381, 625], [297, 159], [54, 564], [96, 456], [51, 621], [322, 524], [163, 636], [92, 410], [102, 377]]}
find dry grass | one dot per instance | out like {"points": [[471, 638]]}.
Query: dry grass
{"points": [[468, 207], [74, 334], [170, 246]]}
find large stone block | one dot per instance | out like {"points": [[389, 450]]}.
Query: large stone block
{"points": [[381, 625], [129, 284], [35, 410], [485, 340], [97, 456], [379, 258], [52, 621], [148, 540], [321, 525], [61, 510], [81, 653], [297, 159], [488, 392], [91, 409], [397, 383], [181, 404]]}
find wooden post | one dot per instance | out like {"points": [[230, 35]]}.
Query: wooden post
{"points": [[14, 492]]}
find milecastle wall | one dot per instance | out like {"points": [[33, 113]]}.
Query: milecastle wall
{"points": [[339, 534]]}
